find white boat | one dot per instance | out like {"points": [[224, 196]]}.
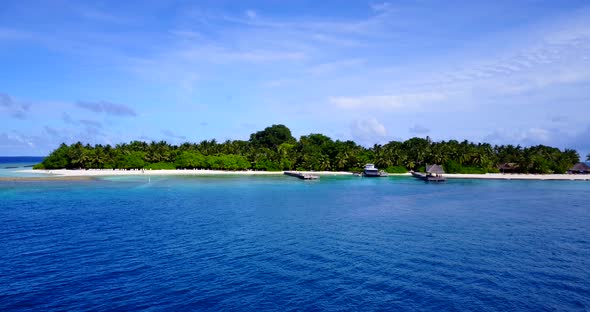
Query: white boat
{"points": [[372, 171]]}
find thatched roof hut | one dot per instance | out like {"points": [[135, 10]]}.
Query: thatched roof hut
{"points": [[434, 169], [579, 168]]}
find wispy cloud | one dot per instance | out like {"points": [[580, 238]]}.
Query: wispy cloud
{"points": [[52, 136], [14, 34], [397, 61], [553, 54], [51, 123], [14, 140], [251, 14], [172, 135], [524, 136], [415, 102], [91, 123], [336, 66], [95, 14], [253, 44], [13, 108], [534, 68], [382, 7], [107, 108], [419, 129], [68, 119]]}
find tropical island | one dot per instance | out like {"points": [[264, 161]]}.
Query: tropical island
{"points": [[275, 149]]}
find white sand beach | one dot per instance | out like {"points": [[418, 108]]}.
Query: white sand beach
{"points": [[512, 176], [105, 172], [109, 172], [515, 176]]}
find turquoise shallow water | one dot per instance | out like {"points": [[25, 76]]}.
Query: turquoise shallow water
{"points": [[278, 243], [12, 166]]}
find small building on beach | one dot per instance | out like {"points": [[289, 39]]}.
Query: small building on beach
{"points": [[434, 169], [579, 168], [508, 168]]}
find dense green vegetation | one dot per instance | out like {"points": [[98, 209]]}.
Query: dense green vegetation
{"points": [[275, 149]]}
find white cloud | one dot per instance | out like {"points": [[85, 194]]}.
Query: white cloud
{"points": [[528, 136], [391, 61], [20, 139], [412, 102], [547, 136], [368, 131]]}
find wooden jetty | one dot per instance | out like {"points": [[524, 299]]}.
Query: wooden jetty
{"points": [[302, 176], [429, 177]]}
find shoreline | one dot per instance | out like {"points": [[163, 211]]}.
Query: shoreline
{"points": [[46, 178], [520, 176], [109, 172]]}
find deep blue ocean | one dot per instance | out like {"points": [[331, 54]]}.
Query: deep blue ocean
{"points": [[279, 243]]}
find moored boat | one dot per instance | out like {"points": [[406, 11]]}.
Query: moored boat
{"points": [[372, 171]]}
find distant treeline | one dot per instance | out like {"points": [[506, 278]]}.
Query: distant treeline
{"points": [[275, 149]]}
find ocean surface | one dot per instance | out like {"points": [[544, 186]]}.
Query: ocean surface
{"points": [[9, 166], [279, 243]]}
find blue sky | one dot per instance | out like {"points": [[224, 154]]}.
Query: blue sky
{"points": [[113, 71]]}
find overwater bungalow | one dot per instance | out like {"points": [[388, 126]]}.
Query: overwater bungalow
{"points": [[579, 168], [509, 168], [434, 173], [434, 170]]}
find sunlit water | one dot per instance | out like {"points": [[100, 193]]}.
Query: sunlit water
{"points": [[278, 243]]}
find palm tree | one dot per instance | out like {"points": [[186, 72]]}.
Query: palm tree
{"points": [[437, 155], [324, 163], [572, 156], [97, 158], [341, 160], [77, 155], [380, 156]]}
